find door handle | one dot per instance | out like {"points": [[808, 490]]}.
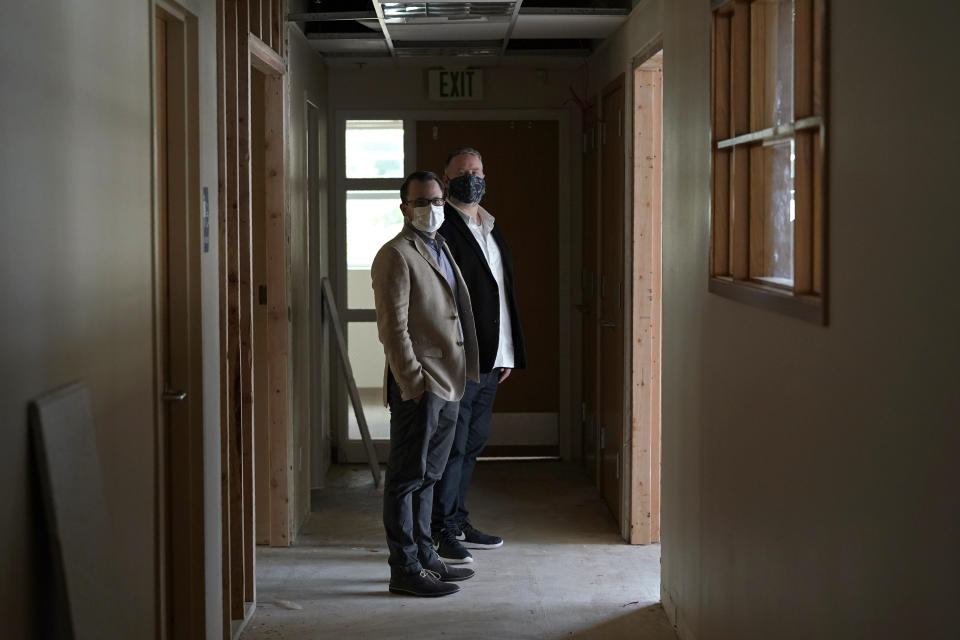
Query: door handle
{"points": [[172, 395], [608, 324]]}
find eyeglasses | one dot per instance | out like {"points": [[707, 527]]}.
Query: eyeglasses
{"points": [[423, 202]]}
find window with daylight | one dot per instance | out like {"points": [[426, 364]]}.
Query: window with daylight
{"points": [[768, 119], [374, 171], [373, 167]]}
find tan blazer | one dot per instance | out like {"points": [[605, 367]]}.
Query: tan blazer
{"points": [[417, 320]]}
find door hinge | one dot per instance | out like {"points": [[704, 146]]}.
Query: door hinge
{"points": [[583, 412], [620, 295], [618, 465], [619, 123], [602, 430]]}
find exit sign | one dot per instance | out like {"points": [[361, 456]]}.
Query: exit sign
{"points": [[460, 84]]}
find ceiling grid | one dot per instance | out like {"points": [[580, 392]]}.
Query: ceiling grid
{"points": [[474, 32]]}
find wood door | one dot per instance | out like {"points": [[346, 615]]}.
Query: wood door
{"points": [[589, 307], [611, 373], [520, 163], [164, 592], [179, 366]]}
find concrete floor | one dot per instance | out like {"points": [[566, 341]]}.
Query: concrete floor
{"points": [[563, 571]]}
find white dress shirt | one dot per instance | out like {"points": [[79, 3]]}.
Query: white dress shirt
{"points": [[483, 233]]}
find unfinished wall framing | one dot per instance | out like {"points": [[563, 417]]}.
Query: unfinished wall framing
{"points": [[249, 40]]}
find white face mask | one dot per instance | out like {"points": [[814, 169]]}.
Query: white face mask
{"points": [[427, 219]]}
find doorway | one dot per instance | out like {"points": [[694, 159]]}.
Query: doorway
{"points": [[622, 299], [520, 163], [178, 353], [589, 292], [612, 438]]}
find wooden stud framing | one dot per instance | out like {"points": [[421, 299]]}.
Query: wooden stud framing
{"points": [[234, 533], [277, 37], [278, 313], [263, 58], [644, 481], [245, 211], [266, 22], [240, 25]]}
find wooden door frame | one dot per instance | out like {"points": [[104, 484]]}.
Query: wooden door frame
{"points": [[266, 61], [642, 480], [178, 498]]}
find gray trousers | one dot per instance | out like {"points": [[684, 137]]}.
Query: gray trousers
{"points": [[421, 434]]}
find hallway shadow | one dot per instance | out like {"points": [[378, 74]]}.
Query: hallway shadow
{"points": [[646, 623]]}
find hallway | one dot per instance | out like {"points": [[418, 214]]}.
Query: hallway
{"points": [[563, 572]]}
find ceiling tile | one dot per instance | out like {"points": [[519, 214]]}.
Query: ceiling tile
{"points": [[566, 26]]}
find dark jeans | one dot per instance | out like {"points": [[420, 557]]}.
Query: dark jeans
{"points": [[421, 434], [473, 429]]}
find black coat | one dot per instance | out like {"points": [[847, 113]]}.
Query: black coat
{"points": [[484, 293]]}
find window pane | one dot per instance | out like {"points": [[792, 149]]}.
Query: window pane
{"points": [[771, 59], [367, 360], [374, 148], [773, 259], [373, 217]]}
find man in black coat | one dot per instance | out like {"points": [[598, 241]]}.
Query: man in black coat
{"points": [[479, 249]]}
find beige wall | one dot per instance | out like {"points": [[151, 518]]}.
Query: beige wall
{"points": [[307, 81], [76, 255], [808, 471]]}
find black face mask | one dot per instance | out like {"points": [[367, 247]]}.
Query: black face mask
{"points": [[467, 188]]}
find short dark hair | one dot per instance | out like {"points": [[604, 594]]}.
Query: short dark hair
{"points": [[463, 151], [419, 176]]}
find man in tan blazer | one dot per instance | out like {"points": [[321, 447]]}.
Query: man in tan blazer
{"points": [[426, 325]]}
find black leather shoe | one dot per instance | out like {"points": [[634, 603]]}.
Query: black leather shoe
{"points": [[424, 584], [449, 574]]}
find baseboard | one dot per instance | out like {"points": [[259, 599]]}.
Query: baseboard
{"points": [[672, 609], [520, 451], [237, 626]]}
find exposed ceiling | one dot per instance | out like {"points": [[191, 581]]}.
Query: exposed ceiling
{"points": [[484, 32]]}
